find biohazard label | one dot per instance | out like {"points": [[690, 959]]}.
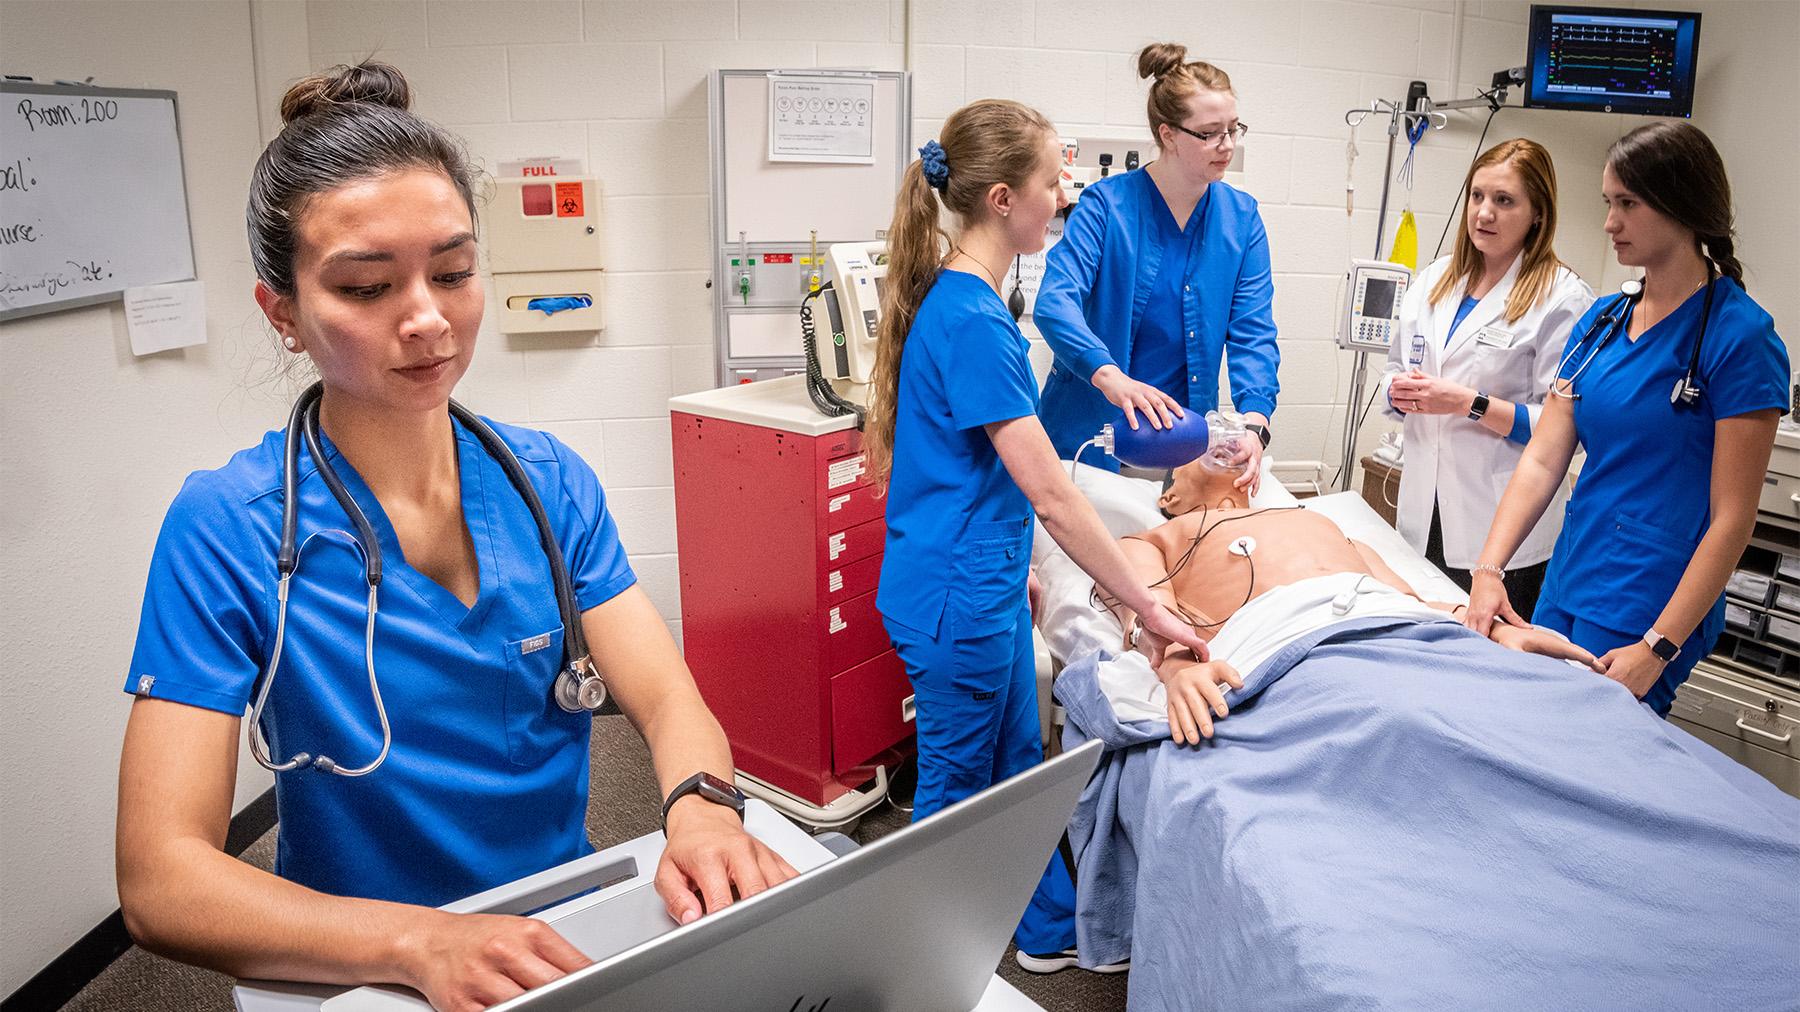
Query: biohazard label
{"points": [[837, 622], [837, 503], [836, 545], [844, 472], [569, 203]]}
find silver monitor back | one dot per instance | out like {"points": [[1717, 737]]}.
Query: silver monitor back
{"points": [[915, 920]]}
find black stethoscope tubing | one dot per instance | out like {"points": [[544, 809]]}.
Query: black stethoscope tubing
{"points": [[1687, 389], [579, 686]]}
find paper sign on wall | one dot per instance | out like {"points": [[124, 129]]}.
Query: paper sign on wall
{"points": [[821, 119], [161, 317], [1031, 267]]}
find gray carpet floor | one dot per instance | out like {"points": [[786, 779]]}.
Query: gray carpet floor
{"points": [[623, 804]]}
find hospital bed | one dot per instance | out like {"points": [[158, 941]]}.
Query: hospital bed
{"points": [[1405, 815]]}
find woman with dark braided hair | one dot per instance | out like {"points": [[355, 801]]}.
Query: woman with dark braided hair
{"points": [[1674, 386]]}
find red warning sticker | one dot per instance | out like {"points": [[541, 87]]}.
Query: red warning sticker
{"points": [[569, 201]]}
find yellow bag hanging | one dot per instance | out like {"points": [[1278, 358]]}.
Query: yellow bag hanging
{"points": [[1406, 242]]}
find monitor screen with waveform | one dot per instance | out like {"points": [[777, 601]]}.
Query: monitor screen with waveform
{"points": [[1612, 60]]}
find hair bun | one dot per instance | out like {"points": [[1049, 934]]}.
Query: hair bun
{"points": [[369, 83], [1160, 58]]}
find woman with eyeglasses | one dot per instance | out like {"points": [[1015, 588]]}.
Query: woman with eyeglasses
{"points": [[1158, 273]]}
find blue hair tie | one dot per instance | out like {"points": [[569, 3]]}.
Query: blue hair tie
{"points": [[936, 170]]}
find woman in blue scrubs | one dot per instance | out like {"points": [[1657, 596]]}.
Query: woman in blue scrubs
{"points": [[361, 224], [1158, 273], [954, 431], [1667, 497]]}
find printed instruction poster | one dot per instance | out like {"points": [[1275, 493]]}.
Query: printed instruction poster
{"points": [[821, 119]]}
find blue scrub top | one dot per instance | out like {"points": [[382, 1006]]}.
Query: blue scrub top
{"points": [[1643, 501], [1158, 353], [487, 779], [1097, 287], [958, 526], [1463, 310]]}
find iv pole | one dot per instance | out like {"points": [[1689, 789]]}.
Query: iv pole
{"points": [[1421, 108]]}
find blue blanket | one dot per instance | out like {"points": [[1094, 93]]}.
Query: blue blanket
{"points": [[1411, 817]]}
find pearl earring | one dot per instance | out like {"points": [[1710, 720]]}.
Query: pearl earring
{"points": [[292, 345]]}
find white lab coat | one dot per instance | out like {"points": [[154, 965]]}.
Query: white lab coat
{"points": [[1459, 463]]}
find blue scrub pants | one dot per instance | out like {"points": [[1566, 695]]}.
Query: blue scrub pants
{"points": [[977, 723], [1600, 639]]}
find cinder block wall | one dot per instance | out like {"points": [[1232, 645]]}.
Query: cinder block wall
{"points": [[623, 86]]}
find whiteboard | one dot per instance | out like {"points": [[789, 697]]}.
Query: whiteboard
{"points": [[92, 198]]}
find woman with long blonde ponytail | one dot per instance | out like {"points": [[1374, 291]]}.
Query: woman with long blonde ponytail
{"points": [[953, 431]]}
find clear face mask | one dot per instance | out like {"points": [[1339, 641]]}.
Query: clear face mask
{"points": [[1225, 433]]}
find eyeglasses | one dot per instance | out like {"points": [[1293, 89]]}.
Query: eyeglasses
{"points": [[1236, 132]]}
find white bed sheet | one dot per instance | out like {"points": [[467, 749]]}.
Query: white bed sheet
{"points": [[1072, 625]]}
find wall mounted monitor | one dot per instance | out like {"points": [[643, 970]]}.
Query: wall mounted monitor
{"points": [[1611, 59]]}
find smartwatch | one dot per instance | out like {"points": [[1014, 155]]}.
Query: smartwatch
{"points": [[1663, 647], [1478, 407], [713, 789], [1262, 433]]}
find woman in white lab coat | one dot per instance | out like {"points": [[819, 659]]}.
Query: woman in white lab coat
{"points": [[1480, 334]]}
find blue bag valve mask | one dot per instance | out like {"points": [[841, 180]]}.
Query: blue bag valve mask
{"points": [[1146, 447]]}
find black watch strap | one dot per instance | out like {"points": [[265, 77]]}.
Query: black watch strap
{"points": [[1262, 433], [714, 789]]}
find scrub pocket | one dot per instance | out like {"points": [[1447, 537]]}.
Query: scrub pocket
{"points": [[535, 726], [1651, 561], [988, 577]]}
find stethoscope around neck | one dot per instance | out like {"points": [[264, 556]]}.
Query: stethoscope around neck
{"points": [[579, 687], [1615, 318]]}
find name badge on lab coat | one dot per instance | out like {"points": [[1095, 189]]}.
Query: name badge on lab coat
{"points": [[1494, 337]]}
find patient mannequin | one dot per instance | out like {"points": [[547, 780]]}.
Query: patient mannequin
{"points": [[1288, 545]]}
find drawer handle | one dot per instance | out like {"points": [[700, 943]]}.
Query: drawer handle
{"points": [[907, 711], [1794, 497], [1781, 739]]}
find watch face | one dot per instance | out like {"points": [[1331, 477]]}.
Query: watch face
{"points": [[721, 791]]}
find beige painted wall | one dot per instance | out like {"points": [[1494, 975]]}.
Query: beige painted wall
{"points": [[96, 444]]}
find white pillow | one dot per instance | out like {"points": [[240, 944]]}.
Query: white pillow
{"points": [[1126, 506]]}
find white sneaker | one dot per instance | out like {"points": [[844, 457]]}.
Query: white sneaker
{"points": [[1054, 961]]}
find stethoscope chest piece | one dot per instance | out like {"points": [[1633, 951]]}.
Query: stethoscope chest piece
{"points": [[579, 687]]}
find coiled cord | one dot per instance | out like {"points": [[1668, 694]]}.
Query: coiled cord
{"points": [[830, 403]]}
